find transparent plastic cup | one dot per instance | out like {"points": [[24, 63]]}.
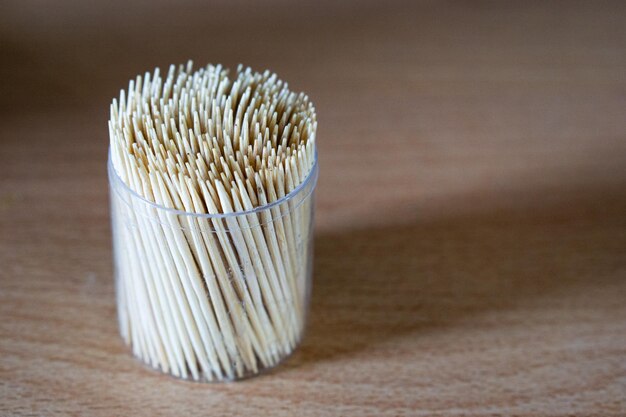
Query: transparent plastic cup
{"points": [[212, 297]]}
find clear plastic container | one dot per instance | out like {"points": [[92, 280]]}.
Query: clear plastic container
{"points": [[212, 297]]}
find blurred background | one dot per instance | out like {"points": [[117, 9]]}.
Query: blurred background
{"points": [[419, 102], [470, 209]]}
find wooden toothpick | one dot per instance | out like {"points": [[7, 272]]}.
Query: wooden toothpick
{"points": [[211, 283]]}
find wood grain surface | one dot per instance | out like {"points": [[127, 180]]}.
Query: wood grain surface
{"points": [[471, 233]]}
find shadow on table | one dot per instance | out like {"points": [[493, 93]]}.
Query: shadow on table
{"points": [[380, 285]]}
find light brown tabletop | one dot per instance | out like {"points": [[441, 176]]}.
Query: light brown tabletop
{"points": [[471, 210]]}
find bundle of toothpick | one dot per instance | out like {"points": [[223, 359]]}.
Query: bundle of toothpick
{"points": [[211, 219]]}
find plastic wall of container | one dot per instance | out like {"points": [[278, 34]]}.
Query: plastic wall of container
{"points": [[212, 297]]}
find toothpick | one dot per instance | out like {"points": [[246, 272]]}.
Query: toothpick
{"points": [[211, 285]]}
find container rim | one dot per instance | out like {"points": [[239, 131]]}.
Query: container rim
{"points": [[115, 179]]}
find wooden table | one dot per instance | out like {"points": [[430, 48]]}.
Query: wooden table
{"points": [[471, 234]]}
